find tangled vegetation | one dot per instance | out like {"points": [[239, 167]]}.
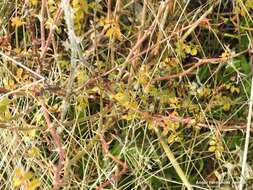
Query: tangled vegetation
{"points": [[126, 94]]}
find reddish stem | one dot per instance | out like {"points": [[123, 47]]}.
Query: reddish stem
{"points": [[124, 166], [57, 141]]}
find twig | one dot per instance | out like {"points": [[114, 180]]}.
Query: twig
{"points": [[172, 34], [140, 32], [167, 11], [124, 166], [199, 63], [203, 17], [51, 32], [188, 121], [195, 65], [57, 183], [42, 23], [22, 65], [109, 9], [139, 42]]}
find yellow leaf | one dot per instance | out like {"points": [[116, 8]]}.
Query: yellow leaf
{"points": [[173, 138], [19, 72], [28, 175], [80, 4], [165, 131], [78, 16], [226, 106], [19, 172], [16, 22], [143, 75], [170, 62], [234, 89], [32, 133], [35, 183], [194, 51], [81, 77], [204, 92], [150, 125], [34, 151], [110, 32], [174, 102], [17, 50], [212, 148], [217, 154], [123, 100], [18, 178], [8, 84], [34, 2], [249, 4], [17, 182], [212, 142], [95, 5], [187, 49], [224, 54], [113, 29]]}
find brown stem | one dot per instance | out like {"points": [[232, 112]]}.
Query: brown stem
{"points": [[124, 166], [195, 65], [51, 32], [42, 23], [57, 183], [109, 9]]}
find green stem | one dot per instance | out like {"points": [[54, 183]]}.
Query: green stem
{"points": [[173, 160]]}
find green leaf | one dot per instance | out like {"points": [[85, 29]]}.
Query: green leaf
{"points": [[116, 148], [245, 65], [4, 103], [244, 42], [95, 5], [155, 183]]}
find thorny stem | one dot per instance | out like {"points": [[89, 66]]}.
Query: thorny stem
{"points": [[51, 32], [57, 140], [199, 63], [59, 168], [124, 166]]}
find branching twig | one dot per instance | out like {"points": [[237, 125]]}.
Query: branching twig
{"points": [[51, 32], [140, 32], [139, 42], [199, 63], [124, 166]]}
